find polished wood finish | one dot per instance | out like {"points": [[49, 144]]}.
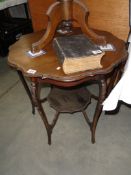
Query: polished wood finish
{"points": [[68, 11], [46, 67], [108, 15], [105, 15], [38, 11]]}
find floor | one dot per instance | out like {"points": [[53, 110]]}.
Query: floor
{"points": [[23, 140]]}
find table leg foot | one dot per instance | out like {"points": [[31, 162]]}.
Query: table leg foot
{"points": [[33, 110], [93, 140], [49, 132]]}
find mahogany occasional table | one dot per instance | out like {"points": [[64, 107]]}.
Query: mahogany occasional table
{"points": [[45, 70]]}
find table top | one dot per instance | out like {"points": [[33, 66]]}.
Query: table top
{"points": [[46, 66], [8, 3]]}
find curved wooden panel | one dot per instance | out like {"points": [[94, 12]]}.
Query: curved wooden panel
{"points": [[109, 15], [38, 9]]}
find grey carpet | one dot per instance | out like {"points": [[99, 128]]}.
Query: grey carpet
{"points": [[23, 140]]}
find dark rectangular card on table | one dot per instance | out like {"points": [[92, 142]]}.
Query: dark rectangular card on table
{"points": [[77, 53]]}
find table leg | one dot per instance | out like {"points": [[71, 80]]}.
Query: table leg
{"points": [[98, 110], [27, 89], [38, 103], [34, 95], [113, 79]]}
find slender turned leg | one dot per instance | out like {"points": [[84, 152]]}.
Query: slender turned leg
{"points": [[36, 100], [54, 16], [27, 89], [38, 103], [115, 78], [102, 94]]}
